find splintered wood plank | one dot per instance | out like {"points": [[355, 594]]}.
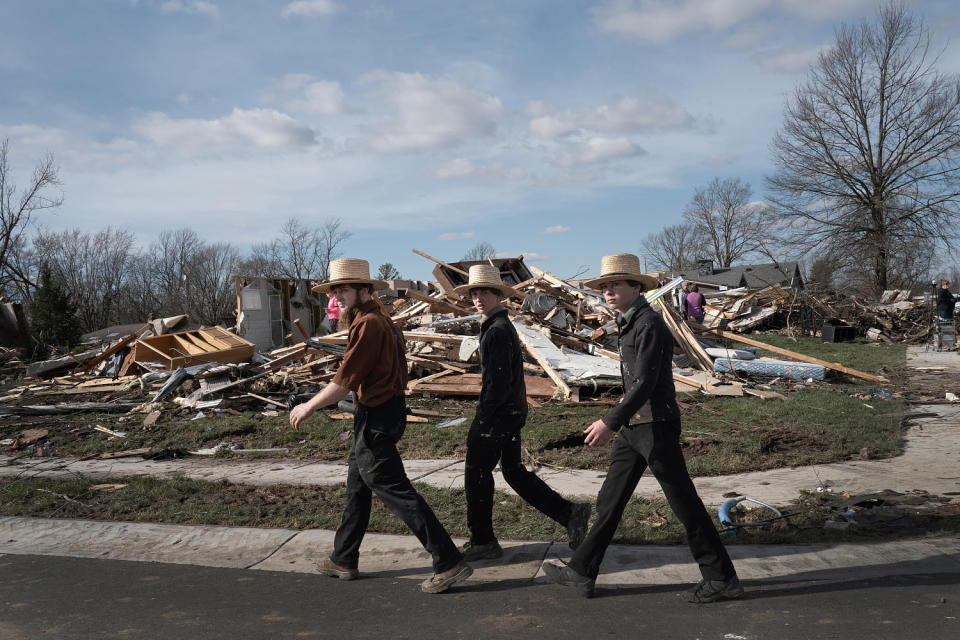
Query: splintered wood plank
{"points": [[188, 347], [112, 350], [469, 385], [792, 354]]}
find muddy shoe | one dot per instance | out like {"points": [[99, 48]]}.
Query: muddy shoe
{"points": [[715, 590], [328, 568], [577, 525], [489, 551], [440, 582], [563, 574]]}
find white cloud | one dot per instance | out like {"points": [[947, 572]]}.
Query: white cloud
{"points": [[183, 97], [322, 97], [651, 112], [429, 113], [310, 8], [556, 229], [199, 7], [463, 168], [789, 60], [463, 235], [660, 21], [598, 149], [264, 129]]}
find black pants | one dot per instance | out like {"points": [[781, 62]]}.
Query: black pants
{"points": [[375, 467], [656, 445], [483, 452]]}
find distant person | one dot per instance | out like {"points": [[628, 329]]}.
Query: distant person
{"points": [[646, 423], [695, 302], [333, 315], [684, 290], [495, 432], [375, 368], [946, 301]]}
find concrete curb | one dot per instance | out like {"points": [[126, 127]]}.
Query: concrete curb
{"points": [[402, 557]]}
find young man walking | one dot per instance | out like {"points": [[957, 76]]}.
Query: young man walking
{"points": [[495, 433], [374, 366], [648, 421]]}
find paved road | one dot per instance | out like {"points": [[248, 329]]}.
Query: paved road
{"points": [[74, 599]]}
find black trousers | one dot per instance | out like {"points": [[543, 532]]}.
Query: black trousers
{"points": [[656, 445], [484, 450], [375, 467]]}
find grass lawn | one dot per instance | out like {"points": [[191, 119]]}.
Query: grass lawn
{"points": [[646, 521]]}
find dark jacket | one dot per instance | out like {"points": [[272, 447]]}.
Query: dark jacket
{"points": [[646, 364], [945, 303], [503, 396]]}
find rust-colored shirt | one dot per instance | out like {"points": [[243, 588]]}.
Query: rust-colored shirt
{"points": [[373, 365]]}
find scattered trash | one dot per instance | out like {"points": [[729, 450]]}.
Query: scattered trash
{"points": [[451, 423]]}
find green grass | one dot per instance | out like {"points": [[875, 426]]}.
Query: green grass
{"points": [[645, 521], [868, 357]]}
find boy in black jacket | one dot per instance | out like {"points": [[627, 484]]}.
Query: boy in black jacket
{"points": [[495, 433], [648, 421]]}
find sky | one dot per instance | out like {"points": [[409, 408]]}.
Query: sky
{"points": [[560, 130]]}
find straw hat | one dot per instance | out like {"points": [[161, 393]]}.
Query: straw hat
{"points": [[621, 266], [349, 271], [484, 276]]}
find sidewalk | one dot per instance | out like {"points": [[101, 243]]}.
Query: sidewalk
{"points": [[931, 462], [402, 557]]}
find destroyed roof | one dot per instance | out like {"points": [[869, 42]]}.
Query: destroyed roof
{"points": [[755, 276]]}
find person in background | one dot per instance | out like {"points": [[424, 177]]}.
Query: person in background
{"points": [[333, 315], [946, 301], [695, 302]]}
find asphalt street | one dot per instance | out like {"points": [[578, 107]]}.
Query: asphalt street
{"points": [[80, 598]]}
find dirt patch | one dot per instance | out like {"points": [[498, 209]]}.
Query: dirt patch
{"points": [[787, 442]]}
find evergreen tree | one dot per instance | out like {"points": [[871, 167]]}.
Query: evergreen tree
{"points": [[54, 316]]}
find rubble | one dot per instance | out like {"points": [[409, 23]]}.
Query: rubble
{"points": [[568, 335]]}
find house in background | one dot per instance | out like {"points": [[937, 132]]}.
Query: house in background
{"points": [[754, 276], [267, 308]]}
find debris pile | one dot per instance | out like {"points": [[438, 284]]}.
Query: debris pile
{"points": [[568, 335]]}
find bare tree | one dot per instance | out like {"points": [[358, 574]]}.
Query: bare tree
{"points": [[16, 212], [674, 248], [868, 152], [332, 235], [92, 268], [725, 220], [210, 294], [480, 251], [299, 252]]}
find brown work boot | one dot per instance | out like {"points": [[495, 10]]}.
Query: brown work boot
{"points": [[440, 582], [329, 568]]}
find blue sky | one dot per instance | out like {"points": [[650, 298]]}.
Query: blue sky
{"points": [[562, 130]]}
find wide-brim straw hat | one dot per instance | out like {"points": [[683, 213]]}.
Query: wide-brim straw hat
{"points": [[621, 266], [484, 276], [350, 271]]}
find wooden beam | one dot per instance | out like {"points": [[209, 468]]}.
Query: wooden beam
{"points": [[834, 366], [299, 325], [442, 263], [562, 386], [442, 305], [112, 350]]}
